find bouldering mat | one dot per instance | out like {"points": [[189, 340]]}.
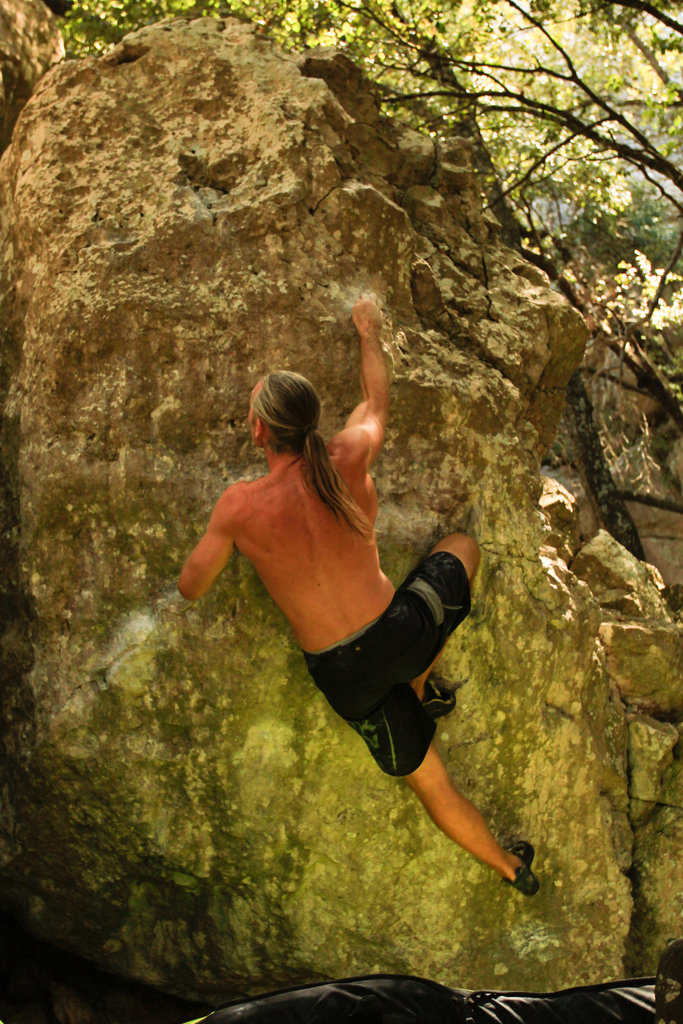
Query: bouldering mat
{"points": [[401, 999]]}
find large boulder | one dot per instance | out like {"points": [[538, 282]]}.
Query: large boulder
{"points": [[30, 43], [177, 801]]}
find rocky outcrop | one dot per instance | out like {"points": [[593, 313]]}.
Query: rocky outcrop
{"points": [[622, 584], [30, 43], [178, 802], [642, 643], [657, 876], [645, 456]]}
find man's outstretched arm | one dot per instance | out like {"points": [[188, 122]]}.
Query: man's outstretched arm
{"points": [[209, 557], [366, 425]]}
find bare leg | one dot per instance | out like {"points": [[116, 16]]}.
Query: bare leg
{"points": [[456, 816], [467, 550], [453, 813]]}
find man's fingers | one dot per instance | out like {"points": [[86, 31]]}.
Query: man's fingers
{"points": [[366, 312], [367, 298]]}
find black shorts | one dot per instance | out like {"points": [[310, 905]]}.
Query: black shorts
{"points": [[366, 678]]}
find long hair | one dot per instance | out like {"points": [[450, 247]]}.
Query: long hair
{"points": [[289, 406]]}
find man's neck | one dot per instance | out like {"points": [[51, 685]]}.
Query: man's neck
{"points": [[281, 462]]}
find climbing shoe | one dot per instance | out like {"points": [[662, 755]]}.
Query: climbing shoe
{"points": [[438, 700], [525, 880]]}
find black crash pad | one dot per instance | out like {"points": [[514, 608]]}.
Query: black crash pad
{"points": [[401, 999]]}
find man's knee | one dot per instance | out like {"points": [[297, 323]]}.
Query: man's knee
{"points": [[463, 547]]}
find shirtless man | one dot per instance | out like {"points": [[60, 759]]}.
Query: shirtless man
{"points": [[307, 527]]}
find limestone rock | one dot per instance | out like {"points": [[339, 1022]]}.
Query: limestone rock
{"points": [[657, 872], [619, 581], [645, 660], [650, 752], [559, 507], [30, 43], [177, 801], [346, 82], [643, 656], [661, 534]]}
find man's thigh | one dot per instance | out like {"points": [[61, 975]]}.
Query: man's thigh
{"points": [[397, 733]]}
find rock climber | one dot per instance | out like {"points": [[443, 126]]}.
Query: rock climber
{"points": [[307, 527]]}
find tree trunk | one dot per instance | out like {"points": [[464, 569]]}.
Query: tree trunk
{"points": [[608, 505]]}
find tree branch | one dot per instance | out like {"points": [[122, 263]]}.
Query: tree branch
{"points": [[518, 183], [646, 8], [647, 377], [581, 84], [655, 502], [651, 58], [618, 380], [516, 102]]}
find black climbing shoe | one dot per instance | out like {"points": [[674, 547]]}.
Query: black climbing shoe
{"points": [[438, 700], [525, 880]]}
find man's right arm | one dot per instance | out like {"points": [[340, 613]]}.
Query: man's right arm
{"points": [[364, 429], [211, 554]]}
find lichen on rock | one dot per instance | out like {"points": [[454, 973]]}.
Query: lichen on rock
{"points": [[179, 803]]}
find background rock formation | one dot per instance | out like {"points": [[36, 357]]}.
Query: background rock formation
{"points": [[178, 803], [30, 43]]}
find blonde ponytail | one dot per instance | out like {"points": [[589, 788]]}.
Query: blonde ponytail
{"points": [[324, 478], [289, 406]]}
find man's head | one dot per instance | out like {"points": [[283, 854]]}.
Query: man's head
{"points": [[284, 412], [287, 405]]}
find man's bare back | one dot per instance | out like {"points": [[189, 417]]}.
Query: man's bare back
{"points": [[326, 579]]}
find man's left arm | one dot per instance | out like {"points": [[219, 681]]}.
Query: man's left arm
{"points": [[361, 440], [210, 556]]}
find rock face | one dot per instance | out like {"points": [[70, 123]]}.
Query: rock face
{"points": [[30, 43], [642, 644], [178, 802]]}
